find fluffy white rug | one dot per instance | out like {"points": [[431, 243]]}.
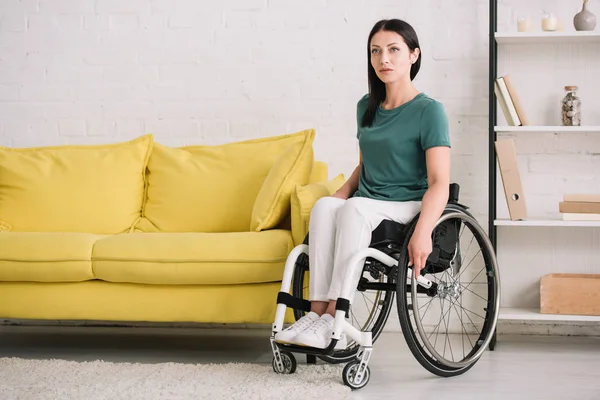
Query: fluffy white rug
{"points": [[60, 379]]}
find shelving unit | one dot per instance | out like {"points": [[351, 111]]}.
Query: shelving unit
{"points": [[531, 315]]}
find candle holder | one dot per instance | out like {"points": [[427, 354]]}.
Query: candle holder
{"points": [[549, 22], [524, 24]]}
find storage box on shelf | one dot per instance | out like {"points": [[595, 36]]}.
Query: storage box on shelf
{"points": [[570, 294]]}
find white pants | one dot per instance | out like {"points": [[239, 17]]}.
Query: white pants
{"points": [[340, 228]]}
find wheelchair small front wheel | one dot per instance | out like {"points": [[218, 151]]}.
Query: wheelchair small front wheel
{"points": [[350, 377], [449, 327], [289, 363]]}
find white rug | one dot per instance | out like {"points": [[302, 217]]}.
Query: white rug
{"points": [[58, 379]]}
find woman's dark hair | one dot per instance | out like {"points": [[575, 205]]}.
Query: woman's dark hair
{"points": [[376, 86]]}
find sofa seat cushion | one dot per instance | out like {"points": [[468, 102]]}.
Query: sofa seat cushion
{"points": [[190, 258], [46, 256]]}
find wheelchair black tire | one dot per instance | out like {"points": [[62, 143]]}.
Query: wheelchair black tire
{"points": [[340, 356], [410, 335]]}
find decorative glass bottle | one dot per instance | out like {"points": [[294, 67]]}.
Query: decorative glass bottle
{"points": [[571, 107]]}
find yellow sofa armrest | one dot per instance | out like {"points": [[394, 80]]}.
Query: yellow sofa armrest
{"points": [[302, 201]]}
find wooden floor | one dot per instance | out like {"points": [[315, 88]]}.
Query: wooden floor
{"points": [[521, 367]]}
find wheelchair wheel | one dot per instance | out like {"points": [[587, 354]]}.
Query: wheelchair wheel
{"points": [[369, 311], [448, 328]]}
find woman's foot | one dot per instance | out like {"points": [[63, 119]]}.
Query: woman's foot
{"points": [[288, 335], [318, 335]]}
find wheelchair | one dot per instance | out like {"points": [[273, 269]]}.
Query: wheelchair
{"points": [[447, 345]]}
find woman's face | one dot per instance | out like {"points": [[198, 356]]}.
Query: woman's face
{"points": [[390, 56]]}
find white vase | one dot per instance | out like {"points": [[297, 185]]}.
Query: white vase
{"points": [[584, 20]]}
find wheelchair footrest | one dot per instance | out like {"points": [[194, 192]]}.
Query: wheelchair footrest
{"points": [[294, 302], [308, 350]]}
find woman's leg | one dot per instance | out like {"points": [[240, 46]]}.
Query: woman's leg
{"points": [[356, 220], [321, 244]]}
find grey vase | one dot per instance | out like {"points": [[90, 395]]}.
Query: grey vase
{"points": [[584, 20]]}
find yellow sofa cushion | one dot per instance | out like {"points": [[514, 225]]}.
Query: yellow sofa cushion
{"points": [[92, 189], [304, 198], [209, 188], [292, 167], [46, 256], [192, 258]]}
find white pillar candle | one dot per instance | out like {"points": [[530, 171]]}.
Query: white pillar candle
{"points": [[549, 22], [524, 24]]}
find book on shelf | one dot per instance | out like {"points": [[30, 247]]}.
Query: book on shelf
{"points": [[580, 217], [582, 197], [510, 102], [511, 179], [580, 207]]}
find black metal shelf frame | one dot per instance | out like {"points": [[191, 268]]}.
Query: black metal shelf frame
{"points": [[493, 68]]}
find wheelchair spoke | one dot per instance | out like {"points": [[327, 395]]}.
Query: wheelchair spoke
{"points": [[463, 269], [447, 339], [441, 319], [464, 330], [470, 243], [472, 312], [427, 304], [467, 288], [472, 323], [479, 273], [448, 330]]}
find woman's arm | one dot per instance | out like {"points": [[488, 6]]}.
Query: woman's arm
{"points": [[351, 184], [433, 204]]}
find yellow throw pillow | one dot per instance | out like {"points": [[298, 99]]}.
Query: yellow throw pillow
{"points": [[303, 200], [78, 188], [291, 168], [209, 188], [320, 172]]}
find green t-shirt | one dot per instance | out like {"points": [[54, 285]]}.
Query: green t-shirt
{"points": [[393, 148]]}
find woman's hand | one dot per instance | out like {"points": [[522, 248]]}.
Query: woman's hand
{"points": [[419, 248], [340, 194]]}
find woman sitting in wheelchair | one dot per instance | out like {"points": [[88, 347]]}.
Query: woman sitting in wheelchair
{"points": [[404, 170]]}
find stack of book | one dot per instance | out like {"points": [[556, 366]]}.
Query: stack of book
{"points": [[509, 102], [580, 207]]}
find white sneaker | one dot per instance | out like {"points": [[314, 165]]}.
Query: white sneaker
{"points": [[318, 335], [287, 335]]}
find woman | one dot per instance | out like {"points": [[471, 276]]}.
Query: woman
{"points": [[404, 168]]}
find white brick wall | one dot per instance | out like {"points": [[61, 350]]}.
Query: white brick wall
{"points": [[93, 71]]}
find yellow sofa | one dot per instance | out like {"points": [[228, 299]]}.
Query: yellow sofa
{"points": [[139, 231]]}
